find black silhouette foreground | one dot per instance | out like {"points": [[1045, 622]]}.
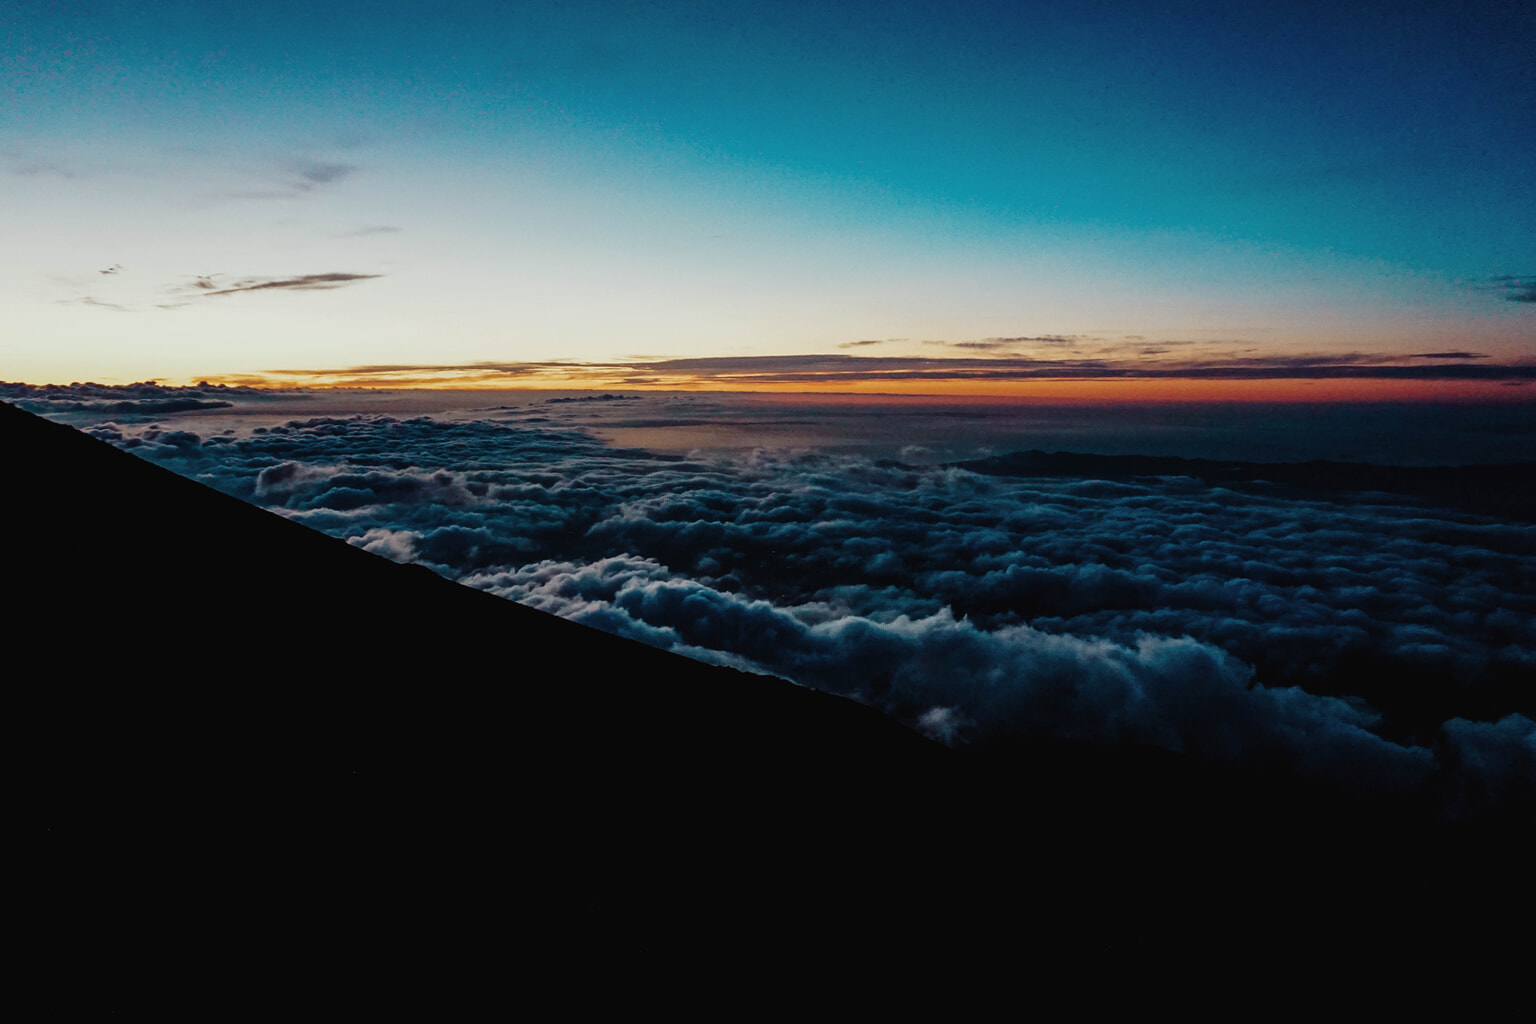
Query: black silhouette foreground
{"points": [[248, 750]]}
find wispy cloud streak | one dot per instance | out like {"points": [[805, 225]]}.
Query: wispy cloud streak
{"points": [[301, 283]]}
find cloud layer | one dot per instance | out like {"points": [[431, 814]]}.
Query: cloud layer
{"points": [[1391, 644], [142, 399]]}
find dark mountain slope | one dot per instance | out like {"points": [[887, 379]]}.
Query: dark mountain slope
{"points": [[296, 752]]}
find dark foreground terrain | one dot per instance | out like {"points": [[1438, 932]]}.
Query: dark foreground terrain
{"points": [[254, 753]]}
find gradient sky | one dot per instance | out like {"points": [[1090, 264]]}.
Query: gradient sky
{"points": [[224, 190]]}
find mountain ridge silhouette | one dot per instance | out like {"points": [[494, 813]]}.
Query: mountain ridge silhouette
{"points": [[228, 713]]}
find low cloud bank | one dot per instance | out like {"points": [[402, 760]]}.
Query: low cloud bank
{"points": [[1384, 642], [145, 399]]}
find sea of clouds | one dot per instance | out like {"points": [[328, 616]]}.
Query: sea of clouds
{"points": [[1235, 625]]}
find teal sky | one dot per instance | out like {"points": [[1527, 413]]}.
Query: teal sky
{"points": [[214, 189]]}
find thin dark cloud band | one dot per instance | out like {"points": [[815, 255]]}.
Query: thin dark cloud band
{"points": [[301, 283]]}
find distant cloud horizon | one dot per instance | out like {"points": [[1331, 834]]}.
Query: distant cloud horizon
{"points": [[819, 370]]}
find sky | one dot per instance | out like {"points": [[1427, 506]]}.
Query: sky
{"points": [[1078, 199]]}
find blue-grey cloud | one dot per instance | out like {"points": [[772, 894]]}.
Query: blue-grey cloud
{"points": [[298, 178], [1515, 289], [42, 168], [312, 174]]}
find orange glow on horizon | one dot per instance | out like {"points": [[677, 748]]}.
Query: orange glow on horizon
{"points": [[1116, 390]]}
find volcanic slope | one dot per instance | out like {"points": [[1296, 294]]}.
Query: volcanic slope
{"points": [[229, 716]]}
